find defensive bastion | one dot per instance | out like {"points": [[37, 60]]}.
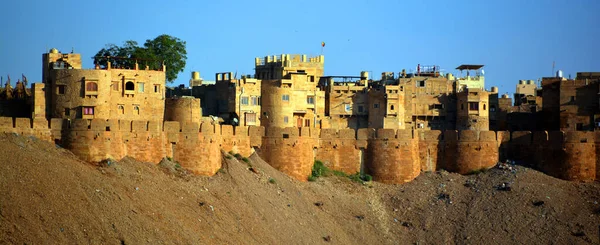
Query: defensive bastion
{"points": [[390, 156]]}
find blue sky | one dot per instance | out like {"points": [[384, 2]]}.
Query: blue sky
{"points": [[514, 39]]}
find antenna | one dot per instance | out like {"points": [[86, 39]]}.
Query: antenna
{"points": [[553, 64]]}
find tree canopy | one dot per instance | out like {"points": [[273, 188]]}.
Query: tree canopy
{"points": [[164, 48]]}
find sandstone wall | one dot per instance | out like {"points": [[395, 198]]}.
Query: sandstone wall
{"points": [[25, 126], [183, 109], [340, 150], [567, 155], [393, 156], [290, 150], [389, 155], [431, 149]]}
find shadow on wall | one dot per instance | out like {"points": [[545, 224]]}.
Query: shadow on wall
{"points": [[570, 155]]}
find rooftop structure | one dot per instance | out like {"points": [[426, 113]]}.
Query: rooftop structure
{"points": [[474, 77], [104, 92]]}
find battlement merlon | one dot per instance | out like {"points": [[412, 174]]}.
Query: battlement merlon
{"points": [[287, 60], [282, 66], [55, 60]]}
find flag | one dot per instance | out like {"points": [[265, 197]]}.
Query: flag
{"points": [[322, 44]]}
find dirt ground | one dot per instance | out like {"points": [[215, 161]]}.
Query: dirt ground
{"points": [[49, 196]]}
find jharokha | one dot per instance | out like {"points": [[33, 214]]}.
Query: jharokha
{"points": [[392, 128]]}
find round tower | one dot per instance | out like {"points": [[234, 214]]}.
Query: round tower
{"points": [[277, 108], [393, 156]]}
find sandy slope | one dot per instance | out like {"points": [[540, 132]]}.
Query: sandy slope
{"points": [[47, 196]]}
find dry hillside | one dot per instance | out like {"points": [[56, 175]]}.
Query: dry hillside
{"points": [[48, 196]]}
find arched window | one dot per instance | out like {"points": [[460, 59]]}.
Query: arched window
{"points": [[121, 109], [484, 107], [91, 86], [129, 86], [392, 107]]}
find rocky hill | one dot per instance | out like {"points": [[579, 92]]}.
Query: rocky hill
{"points": [[47, 195]]}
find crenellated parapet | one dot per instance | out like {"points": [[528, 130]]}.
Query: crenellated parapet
{"points": [[389, 155], [393, 156], [475, 150], [566, 155], [341, 150], [25, 126], [290, 150]]}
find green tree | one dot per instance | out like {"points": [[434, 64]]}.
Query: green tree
{"points": [[164, 48], [169, 49]]}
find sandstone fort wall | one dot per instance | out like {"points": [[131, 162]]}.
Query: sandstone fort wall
{"points": [[389, 155]]}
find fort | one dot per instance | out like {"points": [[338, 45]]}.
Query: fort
{"points": [[291, 115], [389, 155]]}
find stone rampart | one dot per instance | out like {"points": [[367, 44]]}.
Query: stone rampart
{"points": [[389, 155], [393, 156], [26, 126], [475, 150], [340, 150], [290, 150], [431, 149]]}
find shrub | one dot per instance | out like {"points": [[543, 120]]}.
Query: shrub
{"points": [[319, 169], [272, 181], [238, 156], [246, 160], [477, 171], [339, 173], [228, 156], [177, 165], [355, 177], [170, 159], [360, 178], [231, 153], [367, 178]]}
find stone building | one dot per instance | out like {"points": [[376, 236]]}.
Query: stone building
{"points": [[571, 104], [346, 101], [474, 77], [386, 105], [473, 109], [240, 97], [502, 110], [283, 92], [290, 93], [103, 92], [430, 100], [526, 92]]}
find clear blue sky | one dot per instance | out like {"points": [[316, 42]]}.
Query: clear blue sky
{"points": [[514, 39]]}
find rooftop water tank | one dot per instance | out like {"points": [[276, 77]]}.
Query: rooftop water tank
{"points": [[521, 82], [495, 90], [54, 51], [364, 75], [559, 74], [195, 75]]}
